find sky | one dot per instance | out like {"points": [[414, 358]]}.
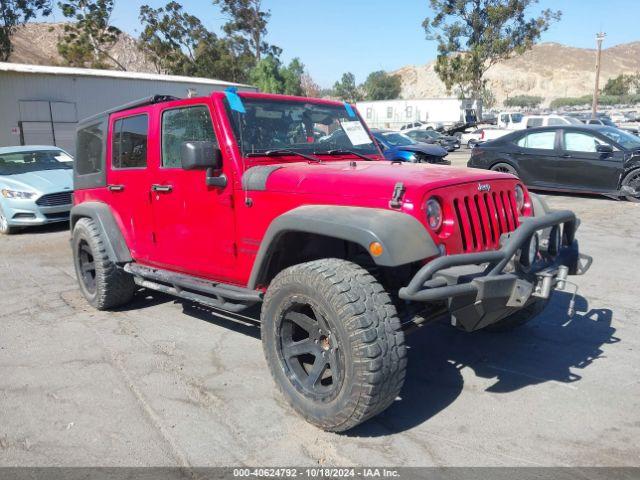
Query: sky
{"points": [[361, 36]]}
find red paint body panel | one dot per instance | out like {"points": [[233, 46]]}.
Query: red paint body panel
{"points": [[214, 233]]}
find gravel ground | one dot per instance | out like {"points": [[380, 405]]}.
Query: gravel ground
{"points": [[165, 382]]}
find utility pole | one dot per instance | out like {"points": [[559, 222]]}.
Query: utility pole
{"points": [[594, 108]]}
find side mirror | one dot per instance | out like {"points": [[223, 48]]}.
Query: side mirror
{"points": [[199, 155], [604, 148]]}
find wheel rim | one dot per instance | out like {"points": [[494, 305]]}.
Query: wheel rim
{"points": [[86, 266], [310, 351], [4, 224], [504, 169], [634, 184]]}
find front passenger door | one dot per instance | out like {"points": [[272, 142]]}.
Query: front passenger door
{"points": [[582, 167]]}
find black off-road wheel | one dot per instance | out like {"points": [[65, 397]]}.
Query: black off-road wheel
{"points": [[333, 343], [102, 282], [632, 180], [520, 317], [504, 168]]}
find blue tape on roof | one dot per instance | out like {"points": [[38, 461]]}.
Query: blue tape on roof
{"points": [[235, 102], [350, 111]]}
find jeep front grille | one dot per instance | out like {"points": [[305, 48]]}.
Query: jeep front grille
{"points": [[55, 199], [484, 217]]}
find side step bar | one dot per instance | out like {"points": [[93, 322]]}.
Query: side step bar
{"points": [[226, 297]]}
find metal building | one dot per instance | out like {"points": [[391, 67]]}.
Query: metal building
{"points": [[41, 105]]}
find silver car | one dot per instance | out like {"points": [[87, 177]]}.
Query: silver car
{"points": [[36, 186]]}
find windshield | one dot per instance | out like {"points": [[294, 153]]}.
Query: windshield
{"points": [[33, 161], [396, 139], [300, 126], [573, 121], [627, 140]]}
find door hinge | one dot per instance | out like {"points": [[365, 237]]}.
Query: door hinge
{"points": [[396, 197]]}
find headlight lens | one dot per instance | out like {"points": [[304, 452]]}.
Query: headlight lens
{"points": [[519, 198], [6, 193], [434, 214]]}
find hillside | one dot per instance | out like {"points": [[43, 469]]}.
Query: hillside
{"points": [[549, 70], [36, 43]]}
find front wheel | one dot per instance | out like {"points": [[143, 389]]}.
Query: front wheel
{"points": [[5, 228], [332, 340], [632, 180], [504, 168]]}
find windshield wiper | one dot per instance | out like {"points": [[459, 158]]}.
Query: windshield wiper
{"points": [[343, 152], [283, 151]]}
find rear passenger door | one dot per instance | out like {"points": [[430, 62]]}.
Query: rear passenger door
{"points": [[582, 167], [537, 157], [128, 179], [194, 223]]}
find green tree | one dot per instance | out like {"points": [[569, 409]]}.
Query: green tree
{"points": [[381, 86], [87, 40], [178, 43], [488, 98], [292, 76], [523, 101], [473, 35], [346, 88], [14, 13], [620, 85], [266, 75], [247, 26]]}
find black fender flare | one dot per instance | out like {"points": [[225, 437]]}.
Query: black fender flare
{"points": [[112, 237], [403, 238]]}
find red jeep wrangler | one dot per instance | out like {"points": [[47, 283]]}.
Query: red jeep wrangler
{"points": [[239, 199]]}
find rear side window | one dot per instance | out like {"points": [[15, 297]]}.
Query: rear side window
{"points": [[534, 122], [538, 140], [181, 125], [129, 149], [556, 122], [90, 141]]}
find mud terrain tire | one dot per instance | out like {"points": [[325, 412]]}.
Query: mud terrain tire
{"points": [[102, 282], [351, 357]]}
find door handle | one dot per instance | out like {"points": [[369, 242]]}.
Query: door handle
{"points": [[161, 188], [115, 188], [566, 155]]}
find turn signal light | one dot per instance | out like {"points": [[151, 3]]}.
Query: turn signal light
{"points": [[376, 249]]}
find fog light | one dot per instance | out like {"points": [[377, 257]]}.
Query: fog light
{"points": [[529, 251]]}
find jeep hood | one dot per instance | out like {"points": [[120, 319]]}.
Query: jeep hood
{"points": [[375, 179]]}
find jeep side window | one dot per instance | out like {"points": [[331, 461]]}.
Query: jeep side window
{"points": [[181, 125], [89, 149], [129, 149]]}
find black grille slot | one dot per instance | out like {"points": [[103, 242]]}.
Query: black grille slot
{"points": [[55, 199]]}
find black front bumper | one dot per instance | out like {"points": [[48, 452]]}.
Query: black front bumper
{"points": [[484, 287]]}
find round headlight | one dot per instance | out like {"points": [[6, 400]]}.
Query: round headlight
{"points": [[434, 214], [530, 251], [519, 198]]}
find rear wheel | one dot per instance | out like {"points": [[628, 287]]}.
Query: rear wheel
{"points": [[520, 317], [632, 180], [333, 343], [504, 168], [102, 282]]}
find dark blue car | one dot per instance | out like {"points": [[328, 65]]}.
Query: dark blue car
{"points": [[397, 146]]}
